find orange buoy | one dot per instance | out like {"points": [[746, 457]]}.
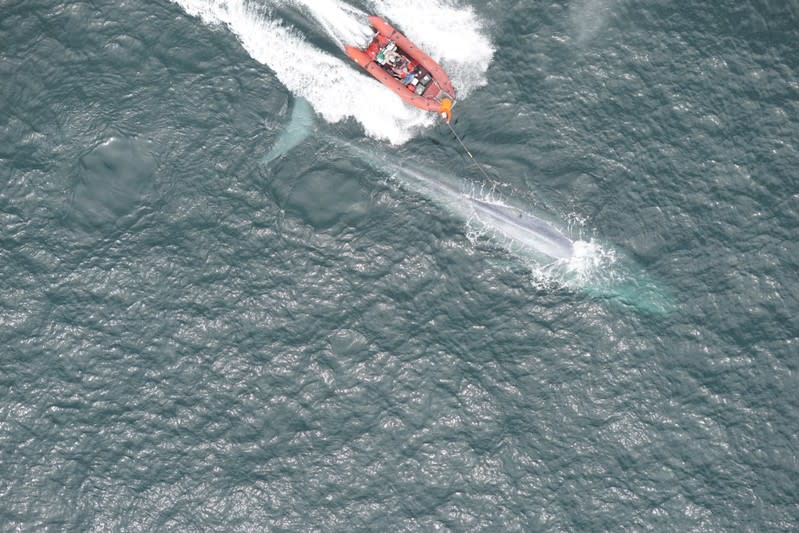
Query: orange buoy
{"points": [[446, 109]]}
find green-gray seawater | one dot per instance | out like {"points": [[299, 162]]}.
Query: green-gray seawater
{"points": [[201, 329]]}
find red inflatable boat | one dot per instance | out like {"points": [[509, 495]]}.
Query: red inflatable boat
{"points": [[398, 64]]}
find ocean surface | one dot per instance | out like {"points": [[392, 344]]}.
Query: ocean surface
{"points": [[236, 296]]}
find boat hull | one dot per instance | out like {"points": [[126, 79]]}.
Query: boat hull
{"points": [[439, 96]]}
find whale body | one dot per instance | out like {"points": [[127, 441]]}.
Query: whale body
{"points": [[521, 232], [523, 228], [519, 228]]}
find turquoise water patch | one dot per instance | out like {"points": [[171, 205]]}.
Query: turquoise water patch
{"points": [[322, 197]]}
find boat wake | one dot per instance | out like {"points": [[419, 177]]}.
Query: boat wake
{"points": [[334, 86], [344, 23]]}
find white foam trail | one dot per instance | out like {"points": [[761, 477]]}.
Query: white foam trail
{"points": [[335, 89], [344, 23], [452, 35]]}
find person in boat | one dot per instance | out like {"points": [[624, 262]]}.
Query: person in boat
{"points": [[399, 66], [393, 58], [397, 63]]}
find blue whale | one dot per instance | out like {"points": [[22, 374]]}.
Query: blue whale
{"points": [[518, 229], [521, 232]]}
